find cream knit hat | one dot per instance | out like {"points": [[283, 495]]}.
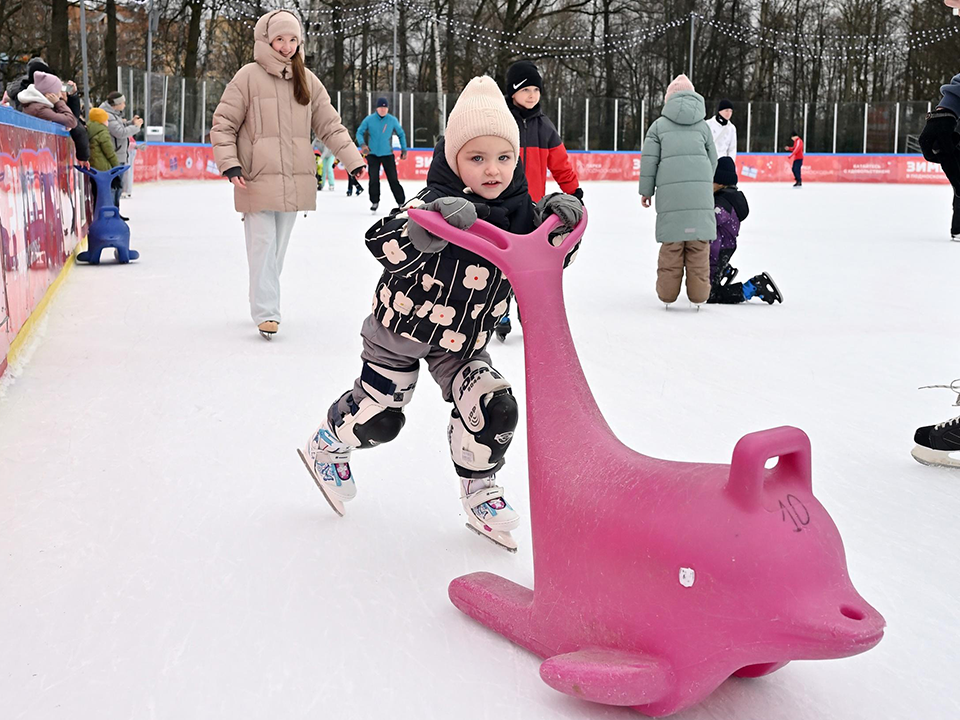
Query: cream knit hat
{"points": [[282, 22], [680, 83], [480, 110]]}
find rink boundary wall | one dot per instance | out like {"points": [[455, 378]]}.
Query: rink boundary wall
{"points": [[43, 221], [194, 161]]}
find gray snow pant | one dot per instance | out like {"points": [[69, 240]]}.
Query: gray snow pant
{"points": [[388, 349]]}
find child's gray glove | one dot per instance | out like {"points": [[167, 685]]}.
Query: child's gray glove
{"points": [[458, 212], [566, 207]]}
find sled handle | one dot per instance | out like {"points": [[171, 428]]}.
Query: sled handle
{"points": [[747, 471], [111, 173], [509, 252]]}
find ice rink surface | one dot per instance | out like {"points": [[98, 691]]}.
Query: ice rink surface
{"points": [[164, 553]]}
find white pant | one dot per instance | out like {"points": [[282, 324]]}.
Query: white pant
{"points": [[128, 175], [268, 234]]}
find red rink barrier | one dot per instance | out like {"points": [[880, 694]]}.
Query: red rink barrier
{"points": [[42, 215], [195, 162]]}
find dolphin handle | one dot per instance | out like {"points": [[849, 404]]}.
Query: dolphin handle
{"points": [[510, 252], [747, 471]]}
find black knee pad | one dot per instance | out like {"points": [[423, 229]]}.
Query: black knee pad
{"points": [[483, 420], [503, 414], [382, 428]]}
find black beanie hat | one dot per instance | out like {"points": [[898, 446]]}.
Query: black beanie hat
{"points": [[724, 105], [726, 173], [522, 74]]}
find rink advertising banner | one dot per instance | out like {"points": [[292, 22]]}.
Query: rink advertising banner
{"points": [[42, 216], [195, 162]]}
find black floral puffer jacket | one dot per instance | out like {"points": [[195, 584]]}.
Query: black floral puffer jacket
{"points": [[453, 298], [449, 299]]}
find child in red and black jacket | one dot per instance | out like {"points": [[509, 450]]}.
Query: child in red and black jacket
{"points": [[540, 145]]}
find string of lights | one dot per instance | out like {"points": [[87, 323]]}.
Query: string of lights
{"points": [[471, 27], [783, 42], [827, 36], [819, 48], [377, 9]]}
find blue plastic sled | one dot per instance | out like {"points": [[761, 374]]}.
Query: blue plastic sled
{"points": [[108, 230]]}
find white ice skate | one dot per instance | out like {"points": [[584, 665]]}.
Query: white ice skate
{"points": [[328, 461], [488, 513]]}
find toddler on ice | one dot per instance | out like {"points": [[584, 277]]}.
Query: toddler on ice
{"points": [[440, 303]]}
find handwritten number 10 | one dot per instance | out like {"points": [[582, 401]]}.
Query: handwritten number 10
{"points": [[796, 511]]}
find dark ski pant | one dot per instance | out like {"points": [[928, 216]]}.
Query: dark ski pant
{"points": [[797, 164], [389, 163], [955, 224], [353, 184], [730, 293], [384, 347]]}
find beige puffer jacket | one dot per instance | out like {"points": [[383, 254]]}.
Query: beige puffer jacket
{"points": [[261, 128]]}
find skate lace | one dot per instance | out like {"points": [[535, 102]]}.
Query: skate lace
{"points": [[954, 386], [946, 423]]}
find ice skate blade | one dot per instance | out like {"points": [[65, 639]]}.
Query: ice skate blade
{"points": [[934, 458], [500, 539], [266, 336], [334, 503]]}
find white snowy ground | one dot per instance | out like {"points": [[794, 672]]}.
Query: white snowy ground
{"points": [[164, 554]]}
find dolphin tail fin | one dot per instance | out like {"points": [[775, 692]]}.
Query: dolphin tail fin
{"points": [[501, 605], [612, 677]]}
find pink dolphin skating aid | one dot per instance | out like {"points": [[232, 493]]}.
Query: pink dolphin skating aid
{"points": [[665, 578]]}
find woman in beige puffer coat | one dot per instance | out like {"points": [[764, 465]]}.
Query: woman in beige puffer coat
{"points": [[261, 141]]}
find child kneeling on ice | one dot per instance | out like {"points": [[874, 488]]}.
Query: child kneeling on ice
{"points": [[731, 209], [440, 303]]}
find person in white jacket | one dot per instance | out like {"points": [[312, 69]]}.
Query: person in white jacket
{"points": [[724, 131]]}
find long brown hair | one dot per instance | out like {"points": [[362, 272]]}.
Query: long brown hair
{"points": [[301, 91]]}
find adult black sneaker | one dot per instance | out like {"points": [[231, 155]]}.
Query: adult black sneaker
{"points": [[938, 445]]}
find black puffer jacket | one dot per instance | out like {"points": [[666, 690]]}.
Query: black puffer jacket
{"points": [[453, 298], [81, 139]]}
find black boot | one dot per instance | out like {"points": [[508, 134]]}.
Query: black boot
{"points": [[503, 328], [727, 275], [764, 288]]}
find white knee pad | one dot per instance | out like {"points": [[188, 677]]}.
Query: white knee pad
{"points": [[379, 418], [484, 417]]}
